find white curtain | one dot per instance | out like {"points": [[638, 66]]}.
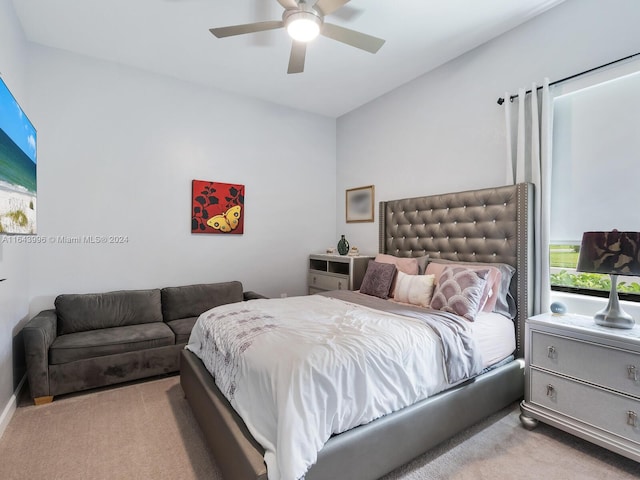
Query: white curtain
{"points": [[529, 123]]}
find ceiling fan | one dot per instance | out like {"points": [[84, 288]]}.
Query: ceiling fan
{"points": [[304, 21]]}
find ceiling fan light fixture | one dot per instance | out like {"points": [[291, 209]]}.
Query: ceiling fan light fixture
{"points": [[304, 22], [303, 26]]}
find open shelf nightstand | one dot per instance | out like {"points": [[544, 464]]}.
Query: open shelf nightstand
{"points": [[336, 272]]}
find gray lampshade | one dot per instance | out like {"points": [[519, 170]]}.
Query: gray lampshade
{"points": [[616, 253]]}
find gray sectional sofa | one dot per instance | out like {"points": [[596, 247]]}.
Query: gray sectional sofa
{"points": [[93, 340]]}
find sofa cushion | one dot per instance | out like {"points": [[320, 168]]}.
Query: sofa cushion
{"points": [[109, 341], [192, 300], [91, 311], [182, 328]]}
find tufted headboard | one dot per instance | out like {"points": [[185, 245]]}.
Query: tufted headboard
{"points": [[489, 225]]}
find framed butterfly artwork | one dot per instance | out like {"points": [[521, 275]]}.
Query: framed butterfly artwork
{"points": [[217, 207]]}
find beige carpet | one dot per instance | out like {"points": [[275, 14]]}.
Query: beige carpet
{"points": [[146, 431]]}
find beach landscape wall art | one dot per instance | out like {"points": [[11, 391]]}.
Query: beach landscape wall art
{"points": [[217, 207], [18, 187]]}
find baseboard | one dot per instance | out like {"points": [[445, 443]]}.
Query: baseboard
{"points": [[10, 408]]}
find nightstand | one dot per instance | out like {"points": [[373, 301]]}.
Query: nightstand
{"points": [[336, 272], [584, 379]]}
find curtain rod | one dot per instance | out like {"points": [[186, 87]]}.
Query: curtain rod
{"points": [[512, 97]]}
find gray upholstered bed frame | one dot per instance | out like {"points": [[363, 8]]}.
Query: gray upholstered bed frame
{"points": [[488, 225]]}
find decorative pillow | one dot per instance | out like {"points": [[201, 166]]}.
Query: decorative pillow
{"points": [[492, 287], [403, 264], [505, 303], [460, 291], [413, 289], [378, 279], [422, 264]]}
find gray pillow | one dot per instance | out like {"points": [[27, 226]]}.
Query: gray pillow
{"points": [[422, 263], [459, 291], [378, 279]]}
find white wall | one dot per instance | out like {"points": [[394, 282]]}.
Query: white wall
{"points": [[444, 131], [14, 260], [118, 149]]}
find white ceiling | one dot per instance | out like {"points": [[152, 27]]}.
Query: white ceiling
{"points": [[172, 37]]}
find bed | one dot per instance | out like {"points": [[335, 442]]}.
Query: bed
{"points": [[480, 226]]}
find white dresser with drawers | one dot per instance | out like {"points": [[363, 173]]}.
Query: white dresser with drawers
{"points": [[584, 379]]}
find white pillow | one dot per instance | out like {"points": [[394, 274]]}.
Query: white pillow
{"points": [[413, 289]]}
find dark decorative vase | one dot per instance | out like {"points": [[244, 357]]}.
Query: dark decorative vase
{"points": [[343, 246]]}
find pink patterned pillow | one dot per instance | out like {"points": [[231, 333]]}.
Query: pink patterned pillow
{"points": [[460, 291], [492, 286]]}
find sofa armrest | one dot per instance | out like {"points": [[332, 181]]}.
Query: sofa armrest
{"points": [[39, 333], [252, 295]]}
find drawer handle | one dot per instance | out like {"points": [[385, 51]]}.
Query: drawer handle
{"points": [[633, 372], [339, 285], [632, 418], [551, 391], [551, 351], [314, 280]]}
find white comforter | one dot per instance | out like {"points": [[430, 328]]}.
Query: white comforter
{"points": [[300, 369]]}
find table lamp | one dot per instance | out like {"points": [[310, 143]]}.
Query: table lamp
{"points": [[615, 253]]}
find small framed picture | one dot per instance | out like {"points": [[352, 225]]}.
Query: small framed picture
{"points": [[359, 204]]}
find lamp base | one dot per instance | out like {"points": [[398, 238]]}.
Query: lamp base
{"points": [[614, 319], [612, 315]]}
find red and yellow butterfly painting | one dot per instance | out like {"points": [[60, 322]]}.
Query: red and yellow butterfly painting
{"points": [[217, 207]]}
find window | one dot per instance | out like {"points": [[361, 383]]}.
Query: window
{"points": [[563, 260], [595, 178]]}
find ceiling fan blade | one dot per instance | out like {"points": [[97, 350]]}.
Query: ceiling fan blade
{"points": [[246, 28], [288, 3], [351, 37], [296, 59], [325, 7]]}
